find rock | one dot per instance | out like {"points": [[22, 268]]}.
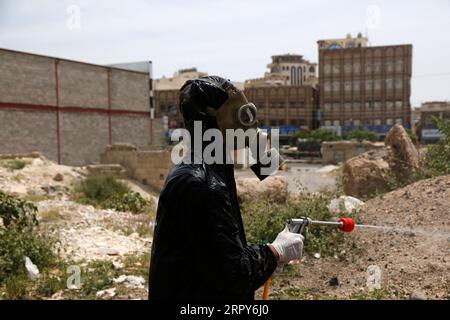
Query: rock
{"points": [[334, 281], [404, 152], [132, 282], [366, 174], [273, 189], [58, 177], [107, 293], [346, 203], [417, 295], [371, 172], [32, 269], [118, 265], [58, 295]]}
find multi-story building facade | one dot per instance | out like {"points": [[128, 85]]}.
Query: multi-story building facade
{"points": [[166, 95], [289, 108], [362, 86], [424, 119], [287, 70]]}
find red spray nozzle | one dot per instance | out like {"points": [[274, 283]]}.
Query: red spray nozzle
{"points": [[347, 224]]}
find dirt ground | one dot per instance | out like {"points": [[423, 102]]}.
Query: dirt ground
{"points": [[412, 254]]}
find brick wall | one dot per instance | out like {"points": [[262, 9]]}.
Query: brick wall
{"points": [[70, 111]]}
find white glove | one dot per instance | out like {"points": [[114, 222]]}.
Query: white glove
{"points": [[289, 246]]}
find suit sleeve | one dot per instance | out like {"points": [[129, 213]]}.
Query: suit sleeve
{"points": [[238, 269]]}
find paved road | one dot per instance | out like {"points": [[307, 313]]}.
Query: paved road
{"points": [[302, 175]]}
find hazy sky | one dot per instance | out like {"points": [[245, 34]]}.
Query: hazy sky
{"points": [[231, 38]]}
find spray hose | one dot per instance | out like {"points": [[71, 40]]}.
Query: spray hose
{"points": [[299, 225]]}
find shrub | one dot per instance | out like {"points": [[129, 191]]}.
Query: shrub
{"points": [[130, 201], [15, 244], [360, 134], [14, 164], [319, 135], [95, 190], [19, 237], [437, 158], [323, 135], [16, 211], [263, 221], [108, 193]]}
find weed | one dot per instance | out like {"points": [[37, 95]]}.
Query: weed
{"points": [[14, 164]]}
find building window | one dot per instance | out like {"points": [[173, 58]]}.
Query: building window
{"points": [[377, 122], [356, 122], [389, 83], [336, 107], [336, 86], [327, 86], [293, 76], [368, 85], [377, 67], [389, 66], [398, 83], [348, 107], [356, 106], [356, 85], [389, 105], [377, 106], [389, 122], [336, 68], [336, 123], [368, 105], [399, 121], [369, 68], [348, 68], [299, 76], [356, 68], [377, 84], [348, 86], [327, 69], [327, 123], [348, 122], [327, 106], [398, 104], [399, 66]]}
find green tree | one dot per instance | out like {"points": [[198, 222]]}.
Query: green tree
{"points": [[438, 155], [322, 135], [361, 134]]}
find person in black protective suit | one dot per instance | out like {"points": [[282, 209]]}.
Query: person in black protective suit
{"points": [[199, 249]]}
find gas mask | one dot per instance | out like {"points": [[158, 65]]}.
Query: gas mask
{"points": [[238, 117]]}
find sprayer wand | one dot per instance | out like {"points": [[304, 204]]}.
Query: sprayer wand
{"points": [[299, 225]]}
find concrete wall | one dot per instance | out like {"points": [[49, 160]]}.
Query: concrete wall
{"points": [[70, 111], [27, 79], [26, 131], [341, 151], [150, 167], [83, 137], [82, 85]]}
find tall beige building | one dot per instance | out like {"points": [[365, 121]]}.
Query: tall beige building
{"points": [[364, 86], [287, 70]]}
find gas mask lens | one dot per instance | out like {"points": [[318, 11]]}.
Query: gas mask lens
{"points": [[247, 115]]}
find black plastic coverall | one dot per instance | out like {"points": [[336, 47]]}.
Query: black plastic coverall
{"points": [[199, 248]]}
